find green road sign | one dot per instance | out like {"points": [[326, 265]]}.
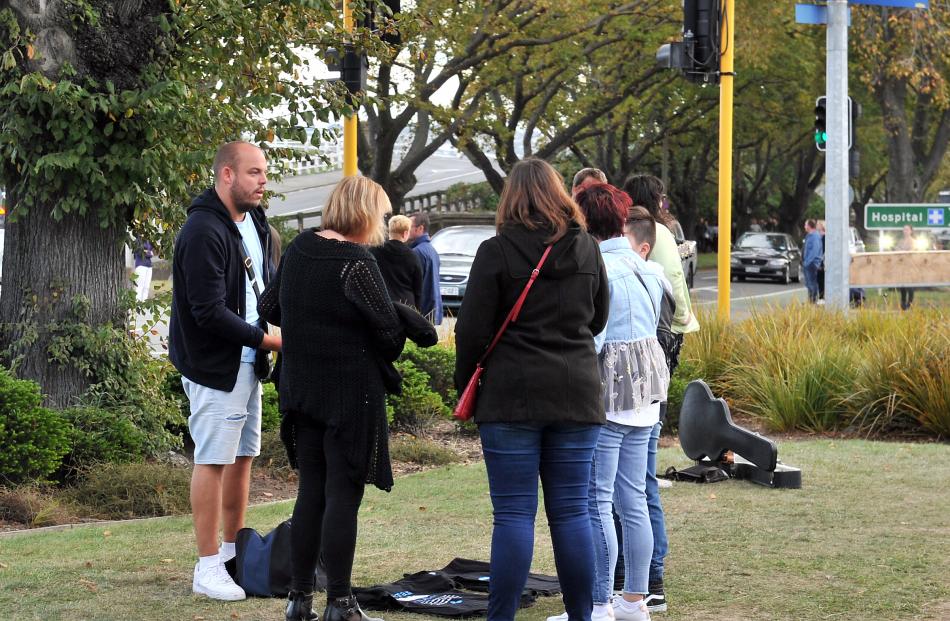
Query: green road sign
{"points": [[881, 216]]}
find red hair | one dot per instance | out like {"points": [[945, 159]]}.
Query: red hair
{"points": [[605, 208]]}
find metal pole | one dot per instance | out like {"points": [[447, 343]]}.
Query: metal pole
{"points": [[837, 259], [349, 123], [725, 157]]}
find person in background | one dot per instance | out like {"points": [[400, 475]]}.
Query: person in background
{"points": [[143, 269], [647, 191], [399, 264], [539, 408], [214, 337], [812, 258], [636, 379], [820, 225], [430, 302], [341, 331], [585, 177], [906, 244]]}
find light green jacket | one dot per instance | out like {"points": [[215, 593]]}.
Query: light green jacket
{"points": [[666, 253]]}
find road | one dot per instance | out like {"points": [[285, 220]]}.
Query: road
{"points": [[745, 296], [306, 192]]}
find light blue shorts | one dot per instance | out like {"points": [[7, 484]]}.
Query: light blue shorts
{"points": [[225, 425]]}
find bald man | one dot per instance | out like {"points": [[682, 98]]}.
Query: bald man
{"points": [[222, 261]]}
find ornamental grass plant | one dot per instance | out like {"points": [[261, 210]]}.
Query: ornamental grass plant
{"points": [[806, 368]]}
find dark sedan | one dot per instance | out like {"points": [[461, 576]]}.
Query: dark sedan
{"points": [[766, 255], [456, 246]]}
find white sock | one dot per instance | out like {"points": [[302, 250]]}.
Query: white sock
{"points": [[208, 562], [631, 606], [226, 551]]}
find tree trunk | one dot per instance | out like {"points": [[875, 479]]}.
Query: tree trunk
{"points": [[49, 266]]}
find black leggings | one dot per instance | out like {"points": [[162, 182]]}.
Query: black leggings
{"points": [[328, 501]]}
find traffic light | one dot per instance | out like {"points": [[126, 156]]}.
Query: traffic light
{"points": [[821, 126], [697, 55]]}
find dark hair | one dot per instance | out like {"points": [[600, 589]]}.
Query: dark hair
{"points": [[648, 191], [641, 226], [605, 208], [584, 174], [534, 196], [421, 218], [810, 223]]}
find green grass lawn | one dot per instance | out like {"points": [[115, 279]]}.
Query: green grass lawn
{"points": [[868, 537]]}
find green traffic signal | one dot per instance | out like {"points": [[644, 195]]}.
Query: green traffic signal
{"points": [[821, 132]]}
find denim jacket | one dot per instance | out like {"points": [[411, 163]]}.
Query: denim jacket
{"points": [[634, 309]]}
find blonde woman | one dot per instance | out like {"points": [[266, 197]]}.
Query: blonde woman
{"points": [[331, 304]]}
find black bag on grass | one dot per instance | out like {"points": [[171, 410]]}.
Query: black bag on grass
{"points": [[262, 565]]}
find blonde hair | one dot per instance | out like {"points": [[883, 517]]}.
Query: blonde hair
{"points": [[356, 208], [398, 226], [534, 196]]}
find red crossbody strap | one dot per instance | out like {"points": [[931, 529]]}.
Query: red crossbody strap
{"points": [[516, 309]]}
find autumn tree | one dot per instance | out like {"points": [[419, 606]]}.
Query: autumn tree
{"points": [[110, 115], [904, 61]]}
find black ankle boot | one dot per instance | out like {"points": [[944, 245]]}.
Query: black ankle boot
{"points": [[345, 609], [300, 607]]}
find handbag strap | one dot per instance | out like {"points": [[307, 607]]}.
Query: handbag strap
{"points": [[516, 309], [249, 268]]}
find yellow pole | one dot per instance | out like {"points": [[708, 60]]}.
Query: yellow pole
{"points": [[349, 123], [725, 157]]}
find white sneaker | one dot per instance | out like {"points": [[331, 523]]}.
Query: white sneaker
{"points": [[639, 613], [664, 483], [216, 584], [593, 617]]}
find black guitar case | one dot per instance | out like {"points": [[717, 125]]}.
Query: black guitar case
{"points": [[707, 433]]}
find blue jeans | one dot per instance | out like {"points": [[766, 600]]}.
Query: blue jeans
{"points": [[660, 543], [618, 479], [811, 281], [515, 455]]}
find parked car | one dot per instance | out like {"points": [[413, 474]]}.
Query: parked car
{"points": [[766, 255], [456, 246], [688, 254]]}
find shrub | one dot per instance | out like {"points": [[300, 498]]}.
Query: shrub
{"points": [[270, 411], [420, 451], [438, 362], [684, 374], [814, 369], [101, 436], [36, 506], [119, 491], [33, 439], [418, 406], [273, 457]]}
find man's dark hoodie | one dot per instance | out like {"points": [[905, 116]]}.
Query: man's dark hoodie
{"points": [[544, 368], [401, 270], [207, 328]]}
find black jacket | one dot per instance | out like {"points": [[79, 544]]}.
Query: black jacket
{"points": [[401, 271], [207, 328], [544, 369]]}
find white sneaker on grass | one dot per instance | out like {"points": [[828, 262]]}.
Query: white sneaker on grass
{"points": [[630, 611], [608, 616], [216, 584]]}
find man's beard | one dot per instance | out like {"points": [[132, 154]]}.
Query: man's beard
{"points": [[243, 202]]}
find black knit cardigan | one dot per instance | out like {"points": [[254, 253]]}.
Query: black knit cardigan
{"points": [[339, 330]]}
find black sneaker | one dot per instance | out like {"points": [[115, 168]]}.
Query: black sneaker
{"points": [[656, 599]]}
